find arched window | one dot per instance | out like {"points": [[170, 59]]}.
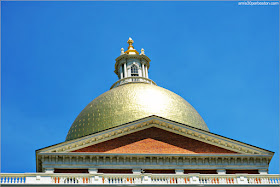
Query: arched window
{"points": [[134, 71]]}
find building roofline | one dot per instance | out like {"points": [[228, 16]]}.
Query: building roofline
{"points": [[163, 119]]}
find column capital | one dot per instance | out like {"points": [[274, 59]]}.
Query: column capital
{"points": [[136, 171], [92, 170], [49, 170], [221, 171], [263, 171], [179, 171]]}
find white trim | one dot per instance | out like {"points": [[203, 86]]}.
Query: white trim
{"points": [[145, 179]]}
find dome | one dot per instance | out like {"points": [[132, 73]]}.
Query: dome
{"points": [[130, 102]]}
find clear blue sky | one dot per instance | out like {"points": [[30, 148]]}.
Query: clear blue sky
{"points": [[58, 56]]}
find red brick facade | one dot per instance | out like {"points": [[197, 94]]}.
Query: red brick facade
{"points": [[70, 170], [115, 171], [154, 171], [242, 171], [160, 171], [157, 141]]}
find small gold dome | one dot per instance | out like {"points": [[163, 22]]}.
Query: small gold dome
{"points": [[131, 102]]}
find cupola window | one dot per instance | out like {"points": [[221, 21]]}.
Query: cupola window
{"points": [[134, 71]]}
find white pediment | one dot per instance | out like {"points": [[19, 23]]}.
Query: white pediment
{"points": [[161, 123]]}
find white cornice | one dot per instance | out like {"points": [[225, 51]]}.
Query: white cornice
{"points": [[151, 161]]}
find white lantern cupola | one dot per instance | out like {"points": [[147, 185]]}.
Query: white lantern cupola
{"points": [[132, 67]]}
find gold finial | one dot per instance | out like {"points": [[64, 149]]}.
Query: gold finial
{"points": [[130, 49], [130, 42]]}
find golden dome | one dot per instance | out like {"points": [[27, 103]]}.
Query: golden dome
{"points": [[130, 102]]}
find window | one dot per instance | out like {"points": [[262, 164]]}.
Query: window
{"points": [[134, 71]]}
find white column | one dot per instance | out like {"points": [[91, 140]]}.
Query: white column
{"points": [[146, 73], [121, 71], [143, 70], [125, 70]]}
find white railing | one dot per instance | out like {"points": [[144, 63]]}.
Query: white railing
{"points": [[218, 180], [170, 179], [72, 179], [264, 180], [139, 179], [13, 178], [121, 179], [131, 80]]}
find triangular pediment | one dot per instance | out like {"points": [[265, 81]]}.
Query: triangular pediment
{"points": [[193, 140], [154, 141]]}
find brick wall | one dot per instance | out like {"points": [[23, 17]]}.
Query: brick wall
{"points": [[201, 171], [167, 171], [115, 171], [242, 171], [70, 170], [154, 140]]}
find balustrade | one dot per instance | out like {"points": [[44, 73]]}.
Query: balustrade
{"points": [[70, 179], [166, 179], [20, 179], [218, 180], [263, 180], [171, 179], [132, 79], [121, 179]]}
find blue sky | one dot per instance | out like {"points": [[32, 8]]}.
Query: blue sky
{"points": [[58, 56]]}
